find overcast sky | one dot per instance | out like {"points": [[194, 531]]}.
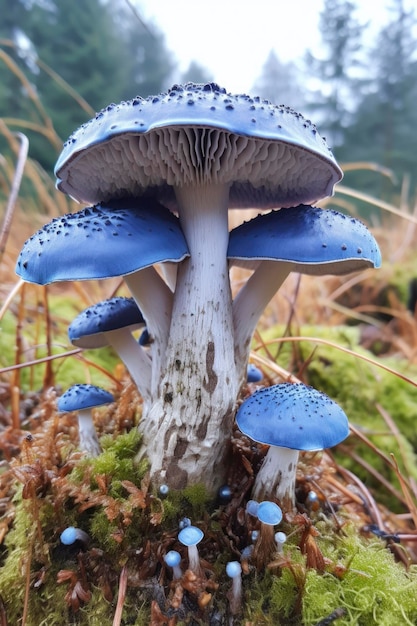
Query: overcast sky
{"points": [[232, 38]]}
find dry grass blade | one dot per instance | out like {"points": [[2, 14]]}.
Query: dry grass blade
{"points": [[27, 86], [14, 191], [121, 597], [405, 487], [357, 355], [373, 472], [18, 286], [66, 87], [368, 165], [385, 206]]}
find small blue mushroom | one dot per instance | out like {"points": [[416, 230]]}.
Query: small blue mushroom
{"points": [[224, 494], [253, 374], [269, 515], [71, 534], [173, 559], [111, 322], [163, 491], [81, 399], [280, 539], [234, 571], [252, 507], [289, 418], [190, 536]]}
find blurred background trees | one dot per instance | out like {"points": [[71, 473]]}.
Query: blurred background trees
{"points": [[360, 87]]}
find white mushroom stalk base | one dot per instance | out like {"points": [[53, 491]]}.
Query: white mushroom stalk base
{"points": [[187, 431], [276, 478], [89, 442]]}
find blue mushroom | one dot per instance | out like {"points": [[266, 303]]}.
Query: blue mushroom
{"points": [[71, 535], [190, 536], [119, 238], [253, 374], [81, 399], [199, 151], [234, 571], [289, 418], [111, 323], [173, 560], [301, 239], [269, 515]]}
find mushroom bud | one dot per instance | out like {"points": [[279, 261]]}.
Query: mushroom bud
{"points": [[173, 559], [71, 535]]}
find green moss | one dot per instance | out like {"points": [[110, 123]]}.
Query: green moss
{"points": [[375, 590], [117, 461], [361, 577], [18, 544]]}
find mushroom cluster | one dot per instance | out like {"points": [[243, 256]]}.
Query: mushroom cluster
{"points": [[162, 174]]}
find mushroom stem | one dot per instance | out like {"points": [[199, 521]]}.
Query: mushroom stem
{"points": [[134, 357], [169, 274], [154, 298], [276, 478], [188, 430], [250, 303], [87, 433]]}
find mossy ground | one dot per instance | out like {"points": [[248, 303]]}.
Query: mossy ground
{"points": [[331, 564]]}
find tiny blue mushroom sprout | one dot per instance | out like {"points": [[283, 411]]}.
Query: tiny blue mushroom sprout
{"points": [[81, 399], [199, 151], [190, 536], [289, 417]]}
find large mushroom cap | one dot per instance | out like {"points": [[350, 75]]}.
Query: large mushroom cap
{"points": [[293, 416], [103, 241], [87, 329], [321, 241], [269, 155]]}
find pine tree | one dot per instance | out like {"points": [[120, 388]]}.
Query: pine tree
{"points": [[103, 53], [196, 73], [337, 69], [383, 129], [280, 83]]}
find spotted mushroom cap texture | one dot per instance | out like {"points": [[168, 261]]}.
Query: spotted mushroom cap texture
{"points": [[271, 156], [87, 329], [321, 241], [80, 397], [293, 416], [103, 241]]}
